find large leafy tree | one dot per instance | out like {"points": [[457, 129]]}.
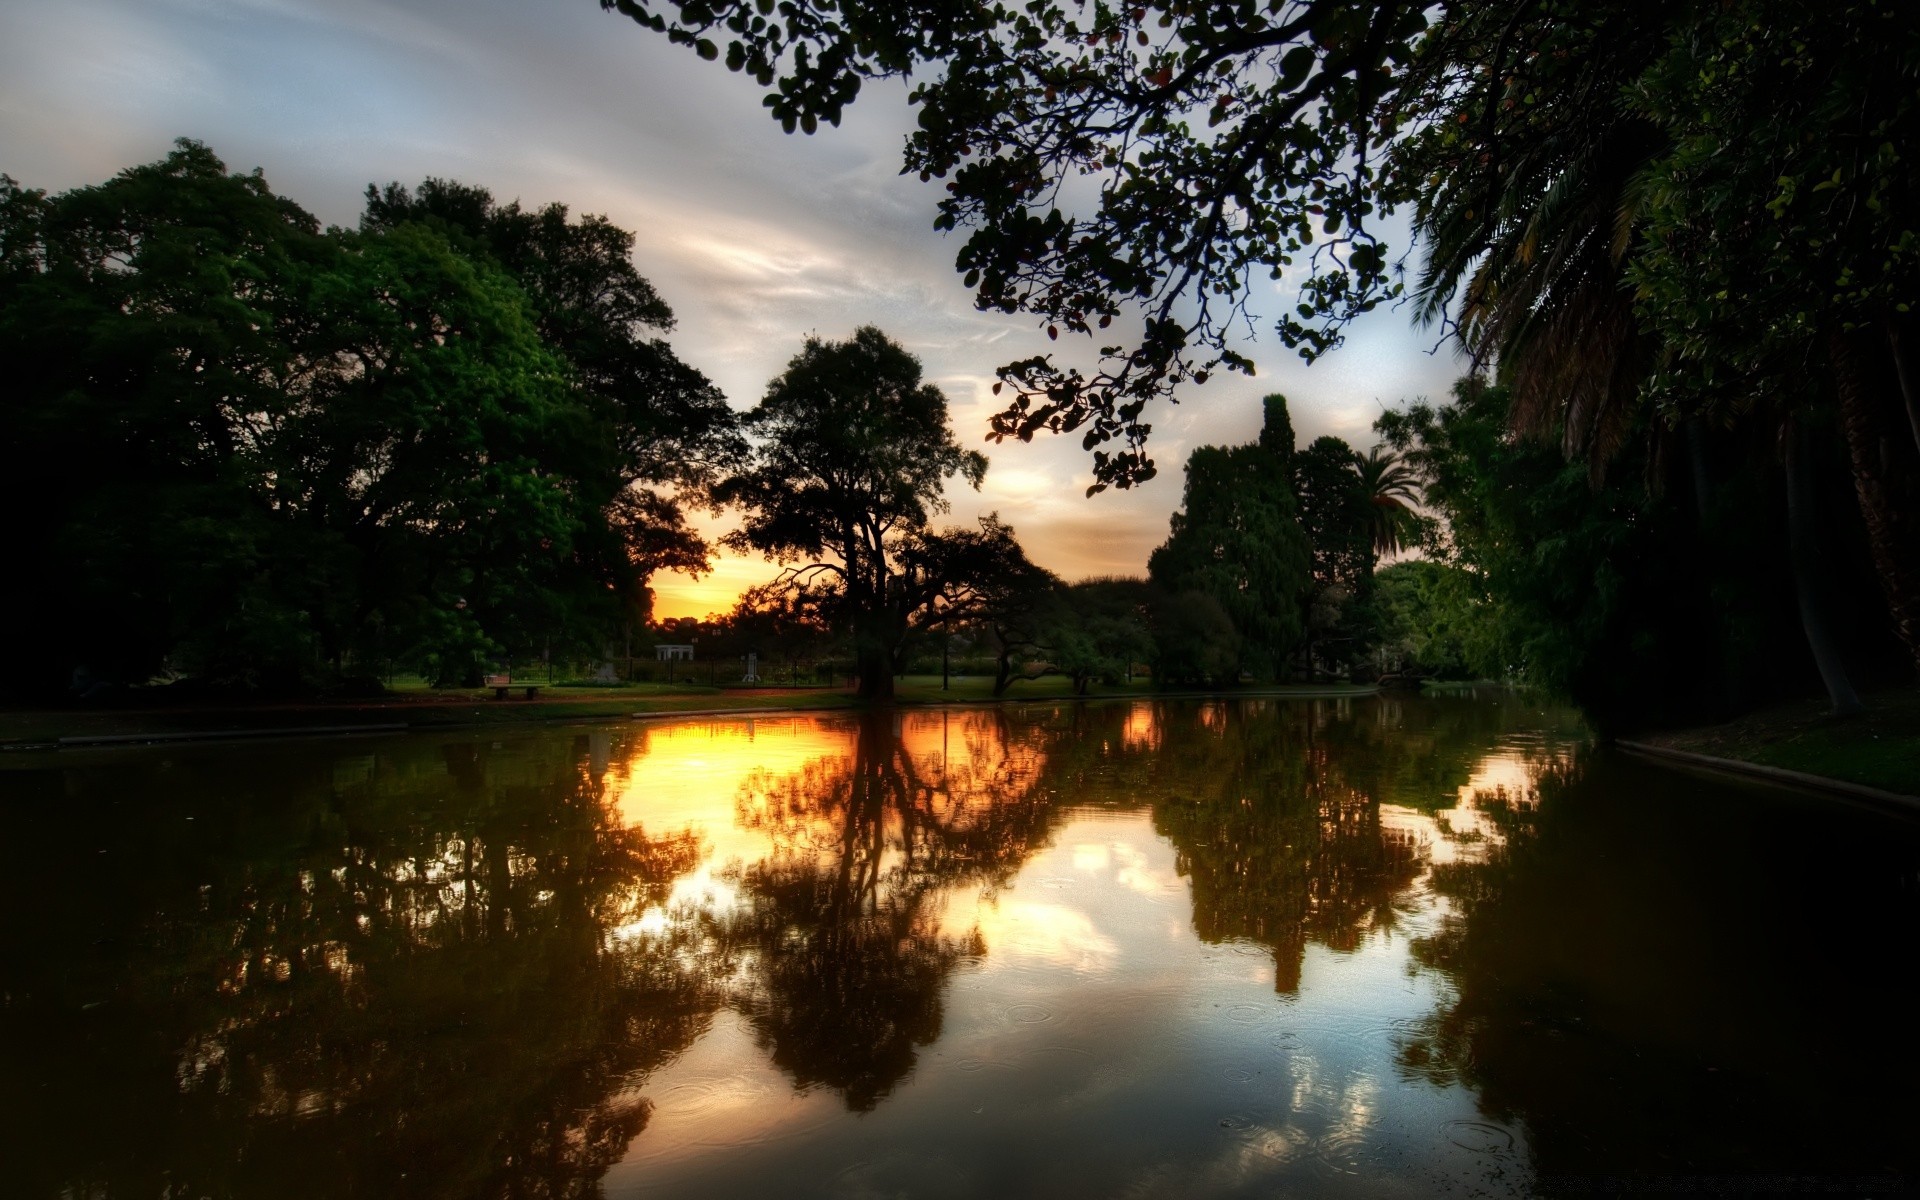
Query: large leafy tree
{"points": [[155, 334], [1606, 592], [443, 444], [980, 579], [1237, 539], [661, 432], [267, 454], [1337, 514], [1103, 627], [851, 460]]}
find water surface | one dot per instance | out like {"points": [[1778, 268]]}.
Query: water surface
{"points": [[1388, 947]]}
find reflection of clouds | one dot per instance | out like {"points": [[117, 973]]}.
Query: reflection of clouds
{"points": [[1138, 872], [1091, 858], [1051, 933], [1467, 832]]}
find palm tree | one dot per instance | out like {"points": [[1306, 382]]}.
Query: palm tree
{"points": [[1393, 489]]}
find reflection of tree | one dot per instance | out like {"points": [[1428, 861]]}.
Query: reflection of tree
{"points": [[393, 975], [842, 925], [1273, 808], [1659, 977], [1280, 847]]}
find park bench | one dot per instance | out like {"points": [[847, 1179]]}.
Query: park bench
{"points": [[502, 683]]}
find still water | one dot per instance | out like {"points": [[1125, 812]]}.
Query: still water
{"points": [[1374, 948]]}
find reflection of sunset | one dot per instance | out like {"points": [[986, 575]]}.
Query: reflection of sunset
{"points": [[683, 775], [1506, 774], [1142, 730]]}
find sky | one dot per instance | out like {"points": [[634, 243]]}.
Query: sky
{"points": [[755, 237]]}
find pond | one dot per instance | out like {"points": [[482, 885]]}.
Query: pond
{"points": [[1371, 948]]}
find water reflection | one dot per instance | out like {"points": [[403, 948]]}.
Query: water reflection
{"points": [[1660, 978], [1369, 948], [846, 953], [302, 974]]}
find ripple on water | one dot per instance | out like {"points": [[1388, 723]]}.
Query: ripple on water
{"points": [[1239, 1076], [981, 1064], [695, 1097], [1288, 1041], [1246, 1014], [1029, 1014], [1344, 1147], [1478, 1136]]}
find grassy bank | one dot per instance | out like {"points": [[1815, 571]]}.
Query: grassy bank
{"points": [[421, 708], [1879, 748]]}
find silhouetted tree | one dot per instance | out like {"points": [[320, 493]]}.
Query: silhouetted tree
{"points": [[851, 460]]}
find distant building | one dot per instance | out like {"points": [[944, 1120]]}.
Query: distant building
{"points": [[671, 653]]}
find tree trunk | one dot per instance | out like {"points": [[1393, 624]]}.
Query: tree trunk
{"points": [[1809, 584], [874, 671], [1885, 485]]}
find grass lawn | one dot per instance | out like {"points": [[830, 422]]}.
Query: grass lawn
{"points": [[1880, 747], [416, 706]]}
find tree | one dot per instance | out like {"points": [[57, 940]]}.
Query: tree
{"points": [[1101, 628], [851, 461], [1337, 514], [980, 579], [1393, 490], [444, 445], [1194, 640], [1603, 593], [153, 328], [268, 456], [662, 431], [1236, 539], [1435, 620]]}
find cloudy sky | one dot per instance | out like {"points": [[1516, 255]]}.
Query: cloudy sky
{"points": [[756, 238]]}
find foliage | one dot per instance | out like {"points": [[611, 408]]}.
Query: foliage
{"points": [[1337, 513], [665, 431], [982, 580], [1393, 523], [1222, 140], [1236, 540], [264, 454], [849, 465], [1194, 640], [1101, 628], [1641, 610], [1435, 621]]}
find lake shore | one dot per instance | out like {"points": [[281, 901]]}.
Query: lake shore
{"points": [[416, 711], [1876, 749]]}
